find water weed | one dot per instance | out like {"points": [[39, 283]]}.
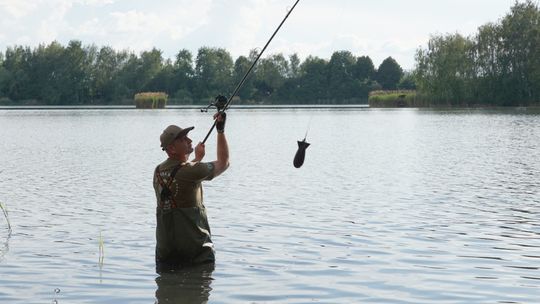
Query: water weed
{"points": [[4, 210], [101, 250], [5, 247]]}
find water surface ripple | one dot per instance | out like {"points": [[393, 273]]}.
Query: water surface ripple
{"points": [[391, 206]]}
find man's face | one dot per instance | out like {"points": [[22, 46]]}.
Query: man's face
{"points": [[181, 146]]}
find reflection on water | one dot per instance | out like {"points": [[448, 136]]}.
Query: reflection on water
{"points": [[190, 285], [4, 247]]}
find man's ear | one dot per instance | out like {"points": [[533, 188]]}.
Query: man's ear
{"points": [[170, 150]]}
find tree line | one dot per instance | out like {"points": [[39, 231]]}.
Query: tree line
{"points": [[80, 74], [499, 65]]}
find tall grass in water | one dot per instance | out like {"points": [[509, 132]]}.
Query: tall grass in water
{"points": [[151, 100], [101, 250], [4, 210], [395, 99], [5, 246]]}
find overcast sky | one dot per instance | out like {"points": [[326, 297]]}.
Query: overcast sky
{"points": [[316, 27]]}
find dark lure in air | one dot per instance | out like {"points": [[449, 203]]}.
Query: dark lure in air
{"points": [[300, 154]]}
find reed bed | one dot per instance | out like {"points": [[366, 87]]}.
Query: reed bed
{"points": [[394, 99], [151, 100]]}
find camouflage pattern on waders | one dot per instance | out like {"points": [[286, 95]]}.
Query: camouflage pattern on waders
{"points": [[182, 231]]}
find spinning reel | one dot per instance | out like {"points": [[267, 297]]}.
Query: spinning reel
{"points": [[220, 102]]}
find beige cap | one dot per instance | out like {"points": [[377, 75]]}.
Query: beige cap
{"points": [[171, 133]]}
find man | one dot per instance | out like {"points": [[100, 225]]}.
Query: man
{"points": [[182, 231]]}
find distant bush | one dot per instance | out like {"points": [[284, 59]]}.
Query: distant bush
{"points": [[151, 100]]}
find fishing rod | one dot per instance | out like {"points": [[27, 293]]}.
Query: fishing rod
{"points": [[219, 103]]}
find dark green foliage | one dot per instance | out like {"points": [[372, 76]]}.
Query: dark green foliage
{"points": [[389, 74], [311, 86], [364, 68], [241, 66], [182, 82], [213, 73], [407, 82], [270, 76], [499, 66], [75, 74], [340, 75], [294, 69], [444, 70]]}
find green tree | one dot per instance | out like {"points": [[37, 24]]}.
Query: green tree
{"points": [[270, 75], [445, 70], [487, 69], [389, 73], [47, 73], [241, 66], [500, 65], [151, 64], [17, 67], [213, 73], [163, 80], [106, 80], [294, 66], [184, 76], [407, 82], [75, 73], [128, 84], [312, 86], [4, 78], [364, 68], [520, 39], [341, 78]]}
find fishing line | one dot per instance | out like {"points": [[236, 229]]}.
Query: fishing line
{"points": [[223, 108], [300, 155], [308, 126]]}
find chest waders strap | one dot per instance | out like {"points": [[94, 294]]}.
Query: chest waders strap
{"points": [[166, 193]]}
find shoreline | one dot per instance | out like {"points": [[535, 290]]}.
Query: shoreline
{"points": [[257, 107], [186, 107]]}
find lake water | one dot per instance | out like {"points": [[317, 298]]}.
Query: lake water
{"points": [[391, 206]]}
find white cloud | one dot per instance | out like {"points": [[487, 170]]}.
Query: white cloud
{"points": [[139, 22], [91, 27], [141, 30], [18, 8], [316, 27], [95, 2], [52, 25]]}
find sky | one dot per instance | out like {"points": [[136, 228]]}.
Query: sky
{"points": [[377, 29]]}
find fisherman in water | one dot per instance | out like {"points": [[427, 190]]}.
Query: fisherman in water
{"points": [[182, 231]]}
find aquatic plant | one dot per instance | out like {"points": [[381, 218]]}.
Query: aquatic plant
{"points": [[151, 100], [5, 247], [394, 98], [4, 210], [101, 250]]}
